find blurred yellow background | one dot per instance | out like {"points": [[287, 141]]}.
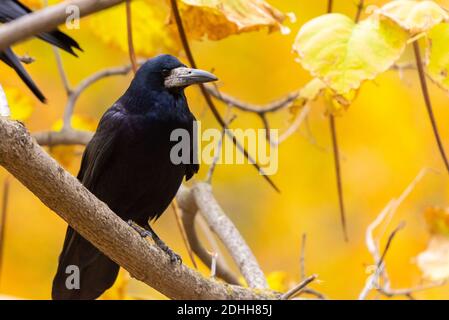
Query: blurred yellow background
{"points": [[385, 138]]}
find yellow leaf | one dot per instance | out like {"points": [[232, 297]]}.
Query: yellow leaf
{"points": [[309, 92], [66, 154], [438, 55], [21, 105], [151, 33], [277, 281], [414, 16], [218, 19], [434, 262], [343, 54], [438, 220]]}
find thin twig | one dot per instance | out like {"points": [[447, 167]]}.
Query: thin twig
{"points": [[299, 288], [296, 124], [211, 171], [335, 148], [426, 95], [62, 73], [207, 97], [360, 8], [302, 257], [337, 164], [254, 108], [129, 28], [388, 245], [330, 5]]}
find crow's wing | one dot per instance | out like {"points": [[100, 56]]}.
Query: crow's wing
{"points": [[193, 167], [100, 148], [11, 60]]}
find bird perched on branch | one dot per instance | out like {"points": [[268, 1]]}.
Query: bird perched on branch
{"points": [[129, 166], [13, 9]]}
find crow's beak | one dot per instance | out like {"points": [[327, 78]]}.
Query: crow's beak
{"points": [[184, 77]]}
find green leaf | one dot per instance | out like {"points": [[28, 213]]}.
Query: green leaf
{"points": [[438, 53], [343, 54]]}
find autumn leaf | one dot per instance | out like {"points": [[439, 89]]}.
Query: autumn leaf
{"points": [[21, 105], [218, 19], [309, 92], [344, 54], [434, 262], [438, 55], [414, 16], [151, 33]]}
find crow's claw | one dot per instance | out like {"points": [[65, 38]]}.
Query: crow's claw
{"points": [[148, 232]]}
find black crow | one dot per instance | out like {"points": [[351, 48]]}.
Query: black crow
{"points": [[13, 9], [128, 166]]}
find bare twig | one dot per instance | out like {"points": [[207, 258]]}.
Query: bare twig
{"points": [[299, 288], [63, 193], [86, 83], [330, 4], [296, 124], [47, 19], [380, 273], [63, 75], [426, 95], [337, 163], [26, 59], [360, 8], [129, 28], [302, 257], [253, 108], [211, 171]]}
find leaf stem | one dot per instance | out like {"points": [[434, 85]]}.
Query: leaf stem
{"points": [[426, 95]]}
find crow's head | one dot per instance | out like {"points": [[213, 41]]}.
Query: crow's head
{"points": [[167, 72]]}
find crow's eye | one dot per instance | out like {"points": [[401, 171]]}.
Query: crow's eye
{"points": [[165, 72]]}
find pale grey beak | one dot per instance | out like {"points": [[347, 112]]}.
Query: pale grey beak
{"points": [[184, 77]]}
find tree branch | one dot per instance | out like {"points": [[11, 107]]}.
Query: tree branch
{"points": [[47, 19], [229, 235], [63, 193]]}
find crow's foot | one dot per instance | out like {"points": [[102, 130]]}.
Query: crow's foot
{"points": [[147, 231]]}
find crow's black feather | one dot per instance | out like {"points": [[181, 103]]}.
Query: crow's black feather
{"points": [[127, 165], [13, 9]]}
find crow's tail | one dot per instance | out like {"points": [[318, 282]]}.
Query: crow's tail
{"points": [[79, 258], [61, 40], [9, 57]]}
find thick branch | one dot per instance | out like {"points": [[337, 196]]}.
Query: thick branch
{"points": [[62, 193], [47, 19]]}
